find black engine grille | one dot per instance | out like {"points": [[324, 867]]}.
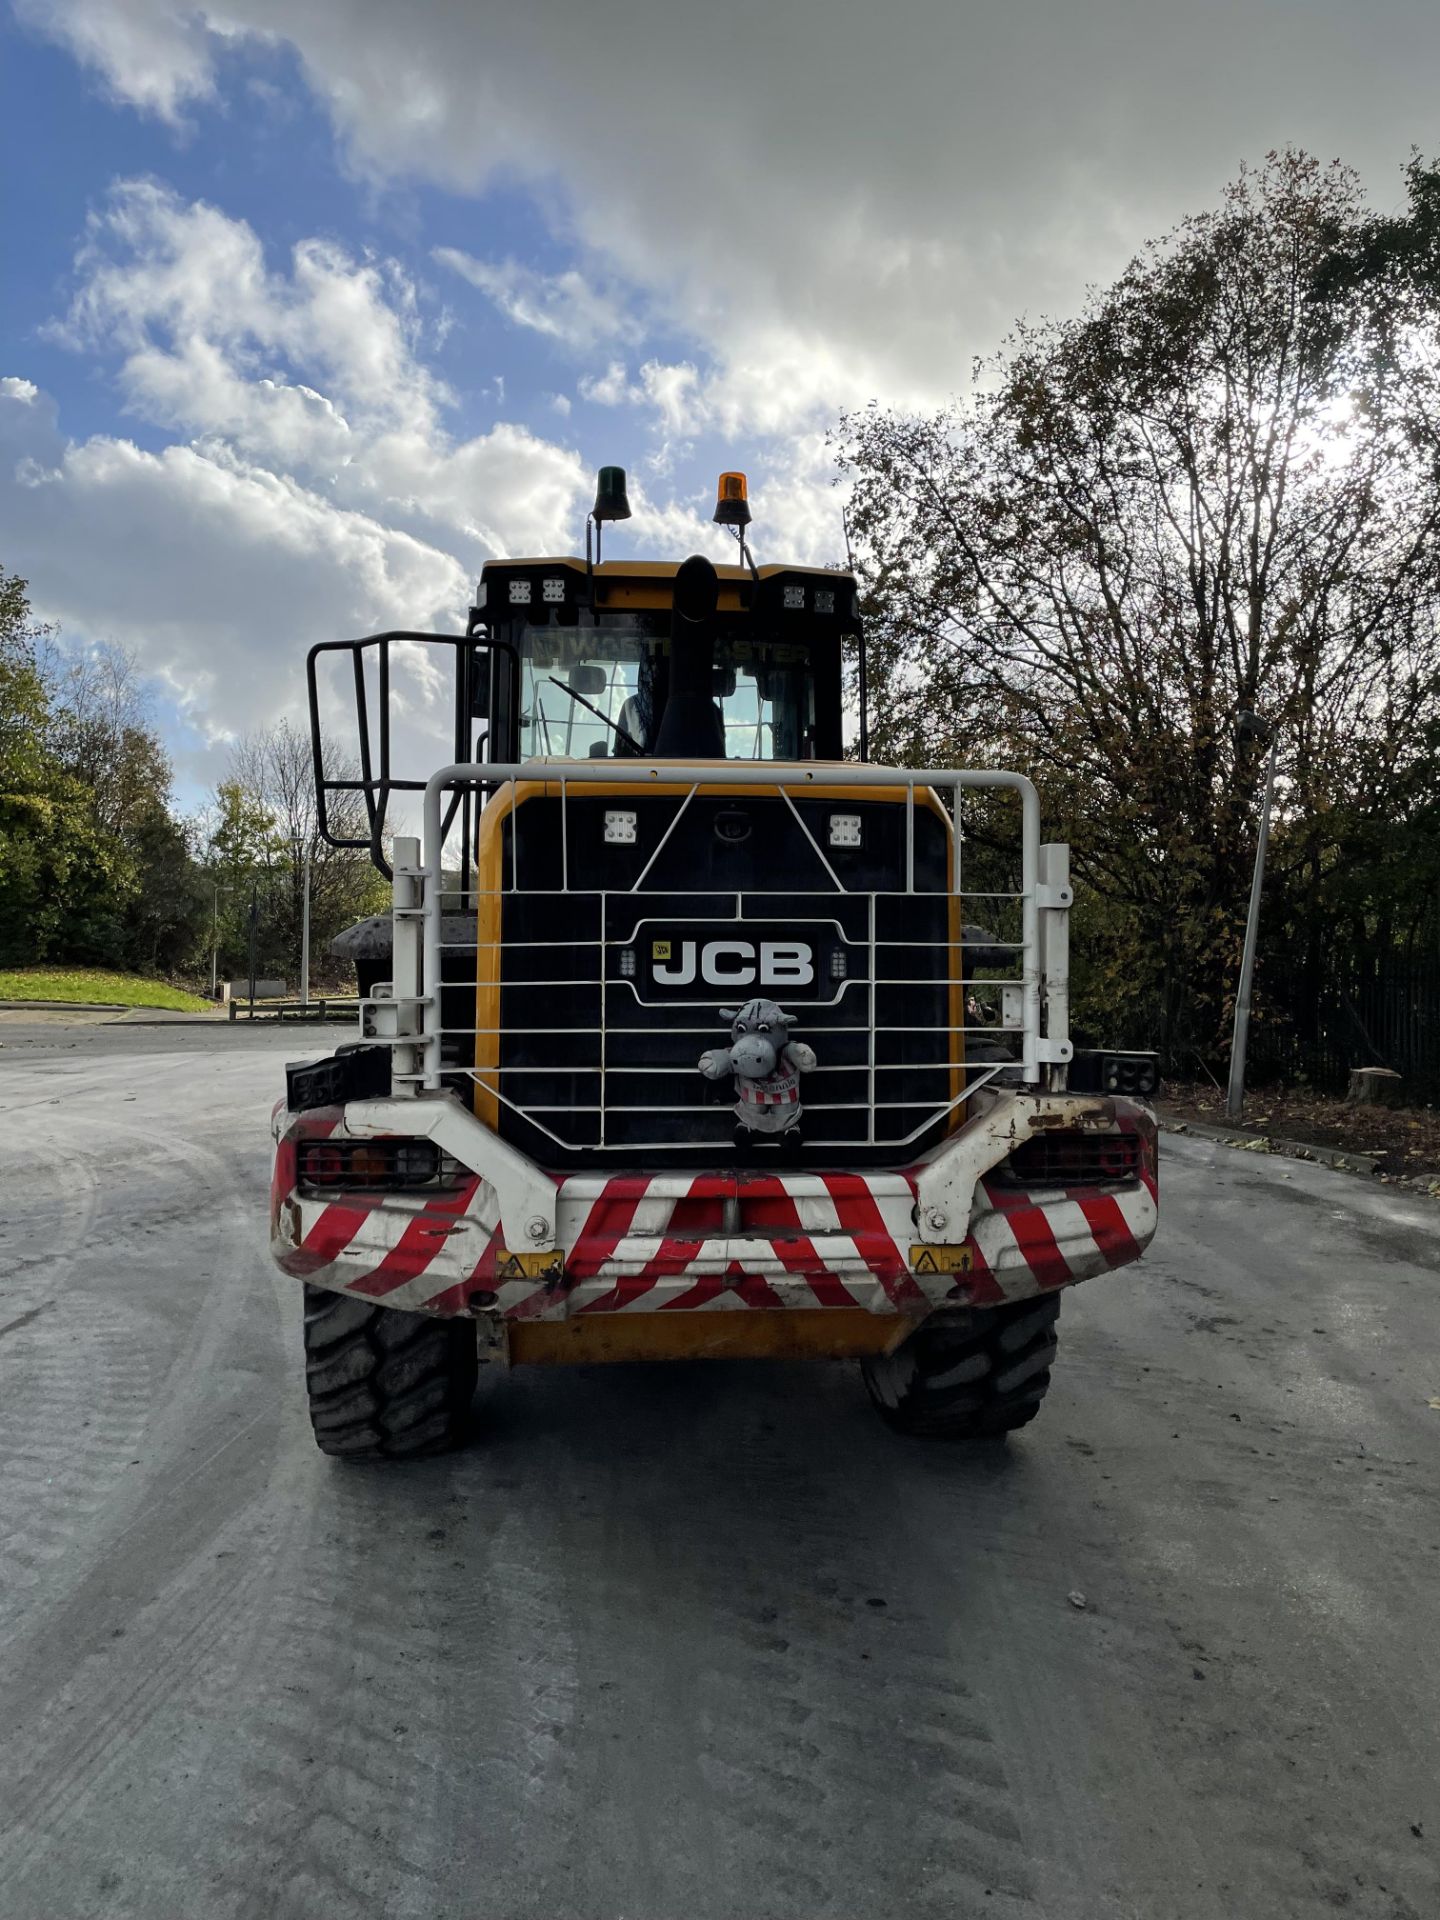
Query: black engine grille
{"points": [[584, 1063]]}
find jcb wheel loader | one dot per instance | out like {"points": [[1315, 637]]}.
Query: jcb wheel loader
{"points": [[674, 1051]]}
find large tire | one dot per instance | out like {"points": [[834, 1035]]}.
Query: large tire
{"points": [[385, 1385], [973, 1377]]}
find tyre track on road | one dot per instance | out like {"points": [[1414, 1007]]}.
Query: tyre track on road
{"points": [[620, 1658], [74, 1403], [87, 1391], [108, 1516], [741, 1720], [337, 1745]]}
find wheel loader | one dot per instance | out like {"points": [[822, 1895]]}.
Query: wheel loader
{"points": [[680, 1043]]}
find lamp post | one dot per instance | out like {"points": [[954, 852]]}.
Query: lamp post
{"points": [[303, 840], [215, 940], [254, 920], [1251, 727]]}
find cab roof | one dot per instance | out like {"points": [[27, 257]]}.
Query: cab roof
{"points": [[652, 569], [824, 593]]}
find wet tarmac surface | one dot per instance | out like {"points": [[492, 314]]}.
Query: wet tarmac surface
{"points": [[705, 1640]]}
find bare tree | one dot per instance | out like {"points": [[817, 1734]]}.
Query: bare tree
{"points": [[273, 769]]}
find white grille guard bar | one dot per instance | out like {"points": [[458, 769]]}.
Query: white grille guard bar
{"points": [[407, 1015], [1045, 891]]}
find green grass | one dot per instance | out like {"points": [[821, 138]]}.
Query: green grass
{"points": [[87, 985]]}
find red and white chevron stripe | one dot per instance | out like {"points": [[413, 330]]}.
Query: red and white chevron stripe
{"points": [[670, 1242]]}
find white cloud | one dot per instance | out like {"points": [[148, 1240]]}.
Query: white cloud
{"points": [[675, 527], [315, 372], [565, 307], [828, 204], [675, 396], [185, 292], [316, 490], [611, 388], [219, 573], [155, 56]]}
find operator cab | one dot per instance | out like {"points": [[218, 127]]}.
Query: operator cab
{"points": [[595, 647], [597, 660], [592, 659]]}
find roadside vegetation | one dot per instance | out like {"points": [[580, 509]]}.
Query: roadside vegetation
{"points": [[99, 869], [1212, 492], [95, 986], [1404, 1142]]}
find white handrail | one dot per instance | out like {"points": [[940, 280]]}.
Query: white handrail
{"points": [[1044, 1043]]}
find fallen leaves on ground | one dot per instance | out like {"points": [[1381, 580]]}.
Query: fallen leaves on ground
{"points": [[1401, 1140]]}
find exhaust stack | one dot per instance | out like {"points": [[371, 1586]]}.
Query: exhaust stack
{"points": [[690, 727]]}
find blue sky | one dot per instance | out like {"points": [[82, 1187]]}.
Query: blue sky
{"points": [[266, 155], [310, 308]]}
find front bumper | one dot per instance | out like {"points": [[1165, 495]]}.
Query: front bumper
{"points": [[513, 1242]]}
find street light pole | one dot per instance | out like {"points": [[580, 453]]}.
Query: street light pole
{"points": [[254, 932], [1235, 1097], [305, 936], [303, 840], [215, 940]]}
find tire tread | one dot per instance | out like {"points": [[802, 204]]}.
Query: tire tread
{"points": [[383, 1384], [974, 1381]]}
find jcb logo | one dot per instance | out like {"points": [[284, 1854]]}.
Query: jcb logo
{"points": [[734, 963]]}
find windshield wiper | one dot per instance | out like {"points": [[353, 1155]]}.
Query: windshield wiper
{"points": [[614, 727]]}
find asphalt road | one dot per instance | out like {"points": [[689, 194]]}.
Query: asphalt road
{"points": [[700, 1641]]}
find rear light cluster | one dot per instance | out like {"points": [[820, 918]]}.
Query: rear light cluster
{"points": [[389, 1165], [1136, 1075], [1074, 1158]]}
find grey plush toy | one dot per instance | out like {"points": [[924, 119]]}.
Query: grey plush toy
{"points": [[767, 1065]]}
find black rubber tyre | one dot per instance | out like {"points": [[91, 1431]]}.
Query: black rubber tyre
{"points": [[385, 1385], [973, 1377]]}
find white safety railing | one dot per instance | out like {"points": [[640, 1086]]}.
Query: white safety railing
{"points": [[1032, 1000]]}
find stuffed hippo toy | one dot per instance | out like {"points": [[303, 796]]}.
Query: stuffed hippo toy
{"points": [[767, 1065]]}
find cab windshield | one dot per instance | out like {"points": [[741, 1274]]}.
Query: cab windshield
{"points": [[598, 692]]}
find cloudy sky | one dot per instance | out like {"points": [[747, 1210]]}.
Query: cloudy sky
{"points": [[309, 308]]}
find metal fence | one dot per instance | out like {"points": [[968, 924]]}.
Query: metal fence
{"points": [[1367, 1007]]}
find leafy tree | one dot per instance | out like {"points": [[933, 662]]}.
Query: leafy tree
{"points": [[167, 922], [93, 868], [104, 736], [57, 875], [243, 836], [1215, 490], [24, 704]]}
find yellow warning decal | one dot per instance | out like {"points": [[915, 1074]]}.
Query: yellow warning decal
{"points": [[936, 1259], [529, 1266], [660, 950]]}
